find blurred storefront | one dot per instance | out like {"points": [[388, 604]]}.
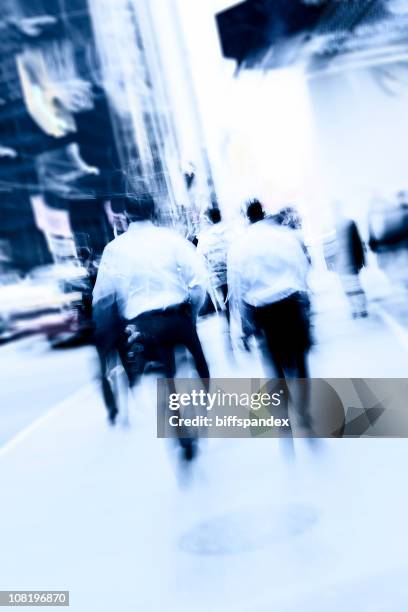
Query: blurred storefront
{"points": [[89, 113]]}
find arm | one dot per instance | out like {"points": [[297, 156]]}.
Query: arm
{"points": [[235, 290], [104, 306], [192, 269]]}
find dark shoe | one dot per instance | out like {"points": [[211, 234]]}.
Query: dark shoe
{"points": [[189, 449], [112, 417]]}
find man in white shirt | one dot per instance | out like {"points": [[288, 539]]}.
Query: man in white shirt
{"points": [[151, 282], [213, 245], [267, 278]]}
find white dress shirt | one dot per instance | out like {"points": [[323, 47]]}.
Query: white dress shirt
{"points": [[266, 264], [148, 268], [213, 245]]}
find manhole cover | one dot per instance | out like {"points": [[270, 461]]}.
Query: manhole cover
{"points": [[248, 530]]}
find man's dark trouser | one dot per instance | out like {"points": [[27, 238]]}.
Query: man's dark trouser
{"points": [[161, 331], [286, 330]]}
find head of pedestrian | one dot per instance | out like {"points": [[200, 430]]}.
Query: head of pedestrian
{"points": [[402, 199], [289, 217], [139, 208], [255, 211], [84, 255], [214, 215]]}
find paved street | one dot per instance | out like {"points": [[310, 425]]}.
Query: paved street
{"points": [[109, 515]]}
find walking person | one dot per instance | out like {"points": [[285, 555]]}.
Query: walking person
{"points": [[349, 261], [267, 277], [213, 244], [388, 238], [149, 289]]}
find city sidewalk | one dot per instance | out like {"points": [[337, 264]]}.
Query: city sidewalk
{"points": [[109, 514], [106, 514]]}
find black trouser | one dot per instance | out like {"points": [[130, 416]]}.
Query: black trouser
{"points": [[157, 334], [286, 332], [160, 332]]}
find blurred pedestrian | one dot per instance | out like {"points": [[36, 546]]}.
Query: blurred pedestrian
{"points": [[349, 261], [267, 276], [149, 289], [213, 244], [388, 237]]}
